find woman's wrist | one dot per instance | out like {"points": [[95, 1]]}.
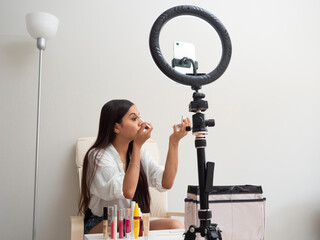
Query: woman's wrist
{"points": [[173, 141], [135, 165], [135, 157], [136, 146]]}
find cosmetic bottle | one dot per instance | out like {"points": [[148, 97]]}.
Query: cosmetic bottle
{"points": [[115, 222], [136, 221], [140, 224], [124, 223], [105, 222], [133, 204], [128, 223], [110, 226], [121, 216], [146, 225]]}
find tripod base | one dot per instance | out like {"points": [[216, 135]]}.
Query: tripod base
{"points": [[210, 233]]}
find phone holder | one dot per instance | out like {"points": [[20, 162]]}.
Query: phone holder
{"points": [[184, 62], [198, 105]]}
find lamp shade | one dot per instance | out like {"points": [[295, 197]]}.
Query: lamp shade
{"points": [[42, 25]]}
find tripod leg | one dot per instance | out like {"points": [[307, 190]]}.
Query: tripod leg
{"points": [[191, 233], [202, 178], [209, 177], [214, 233]]}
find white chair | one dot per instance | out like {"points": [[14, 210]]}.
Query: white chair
{"points": [[159, 201]]}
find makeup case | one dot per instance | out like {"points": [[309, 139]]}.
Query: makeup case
{"points": [[238, 210]]}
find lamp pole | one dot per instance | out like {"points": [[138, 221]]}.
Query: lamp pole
{"points": [[41, 45], [41, 26]]}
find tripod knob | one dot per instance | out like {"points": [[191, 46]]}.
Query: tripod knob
{"points": [[210, 122]]}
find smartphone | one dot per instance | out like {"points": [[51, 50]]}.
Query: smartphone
{"points": [[181, 50]]}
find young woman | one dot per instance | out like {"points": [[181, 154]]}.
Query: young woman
{"points": [[117, 168]]}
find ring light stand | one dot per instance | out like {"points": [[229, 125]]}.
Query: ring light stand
{"points": [[198, 105]]}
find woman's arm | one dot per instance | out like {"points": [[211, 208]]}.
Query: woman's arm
{"points": [[171, 167], [131, 177]]}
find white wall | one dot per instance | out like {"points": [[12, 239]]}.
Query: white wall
{"points": [[266, 105]]}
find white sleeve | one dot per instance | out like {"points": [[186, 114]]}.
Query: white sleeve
{"points": [[108, 180], [154, 171]]}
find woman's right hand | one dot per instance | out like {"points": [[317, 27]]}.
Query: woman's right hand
{"points": [[143, 134]]}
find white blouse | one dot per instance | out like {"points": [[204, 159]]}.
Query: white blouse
{"points": [[106, 186]]}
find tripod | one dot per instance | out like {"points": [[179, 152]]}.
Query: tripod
{"points": [[205, 170], [198, 105]]}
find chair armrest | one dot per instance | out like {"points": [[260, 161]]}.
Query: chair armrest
{"points": [[77, 227], [175, 214]]}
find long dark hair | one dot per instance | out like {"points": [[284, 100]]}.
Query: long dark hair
{"points": [[111, 113]]}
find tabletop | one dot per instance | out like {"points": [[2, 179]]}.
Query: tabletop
{"points": [[172, 234]]}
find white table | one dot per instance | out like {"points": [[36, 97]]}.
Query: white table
{"points": [[174, 234]]}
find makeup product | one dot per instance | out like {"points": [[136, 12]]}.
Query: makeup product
{"points": [[140, 224], [147, 126], [146, 225], [121, 216], [179, 125], [136, 221], [110, 210], [128, 222], [133, 204], [105, 222], [115, 222], [112, 223], [124, 224]]}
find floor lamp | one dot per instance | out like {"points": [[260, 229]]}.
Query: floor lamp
{"points": [[41, 26]]}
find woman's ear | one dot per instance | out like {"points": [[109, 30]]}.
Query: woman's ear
{"points": [[116, 128]]}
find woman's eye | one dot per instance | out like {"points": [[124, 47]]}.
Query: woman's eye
{"points": [[134, 119]]}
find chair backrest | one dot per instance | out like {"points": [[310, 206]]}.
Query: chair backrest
{"points": [[159, 204]]}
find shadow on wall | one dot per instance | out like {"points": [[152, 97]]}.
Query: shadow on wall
{"points": [[61, 195], [71, 174], [316, 222]]}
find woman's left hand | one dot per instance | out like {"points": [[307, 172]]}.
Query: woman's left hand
{"points": [[179, 130]]}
